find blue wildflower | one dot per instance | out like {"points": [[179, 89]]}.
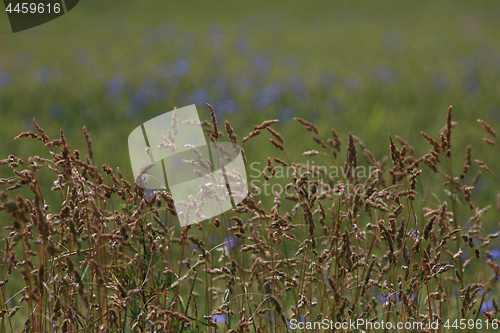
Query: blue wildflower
{"points": [[214, 33], [495, 253], [140, 98], [219, 318], [262, 63], [229, 106], [5, 79], [181, 68], [114, 85], [199, 97], [296, 84], [229, 242], [221, 82], [386, 74], [486, 306], [266, 96], [470, 82]]}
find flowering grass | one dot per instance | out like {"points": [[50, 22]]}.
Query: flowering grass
{"points": [[403, 243]]}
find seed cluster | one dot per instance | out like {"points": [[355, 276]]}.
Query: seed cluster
{"points": [[97, 253]]}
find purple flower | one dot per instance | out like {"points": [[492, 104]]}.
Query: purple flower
{"points": [[152, 91], [486, 306], [393, 297], [219, 318], [229, 242], [266, 96], [229, 106], [273, 92], [495, 253], [181, 68], [470, 82], [149, 193], [214, 33], [296, 84], [5, 79], [262, 63], [221, 82], [481, 292], [199, 97], [260, 101], [140, 98], [386, 74], [114, 85]]}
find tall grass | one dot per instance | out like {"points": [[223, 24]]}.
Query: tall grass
{"points": [[402, 243]]}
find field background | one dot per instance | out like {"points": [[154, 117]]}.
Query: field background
{"points": [[361, 67], [364, 68]]}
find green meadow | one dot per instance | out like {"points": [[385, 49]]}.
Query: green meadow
{"points": [[366, 68]]}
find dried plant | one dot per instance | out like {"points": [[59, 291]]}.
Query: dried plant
{"points": [[111, 257]]}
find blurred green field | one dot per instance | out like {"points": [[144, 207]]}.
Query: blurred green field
{"points": [[371, 69], [366, 68]]}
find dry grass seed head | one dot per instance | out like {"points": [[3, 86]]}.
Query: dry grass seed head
{"points": [[487, 128]]}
